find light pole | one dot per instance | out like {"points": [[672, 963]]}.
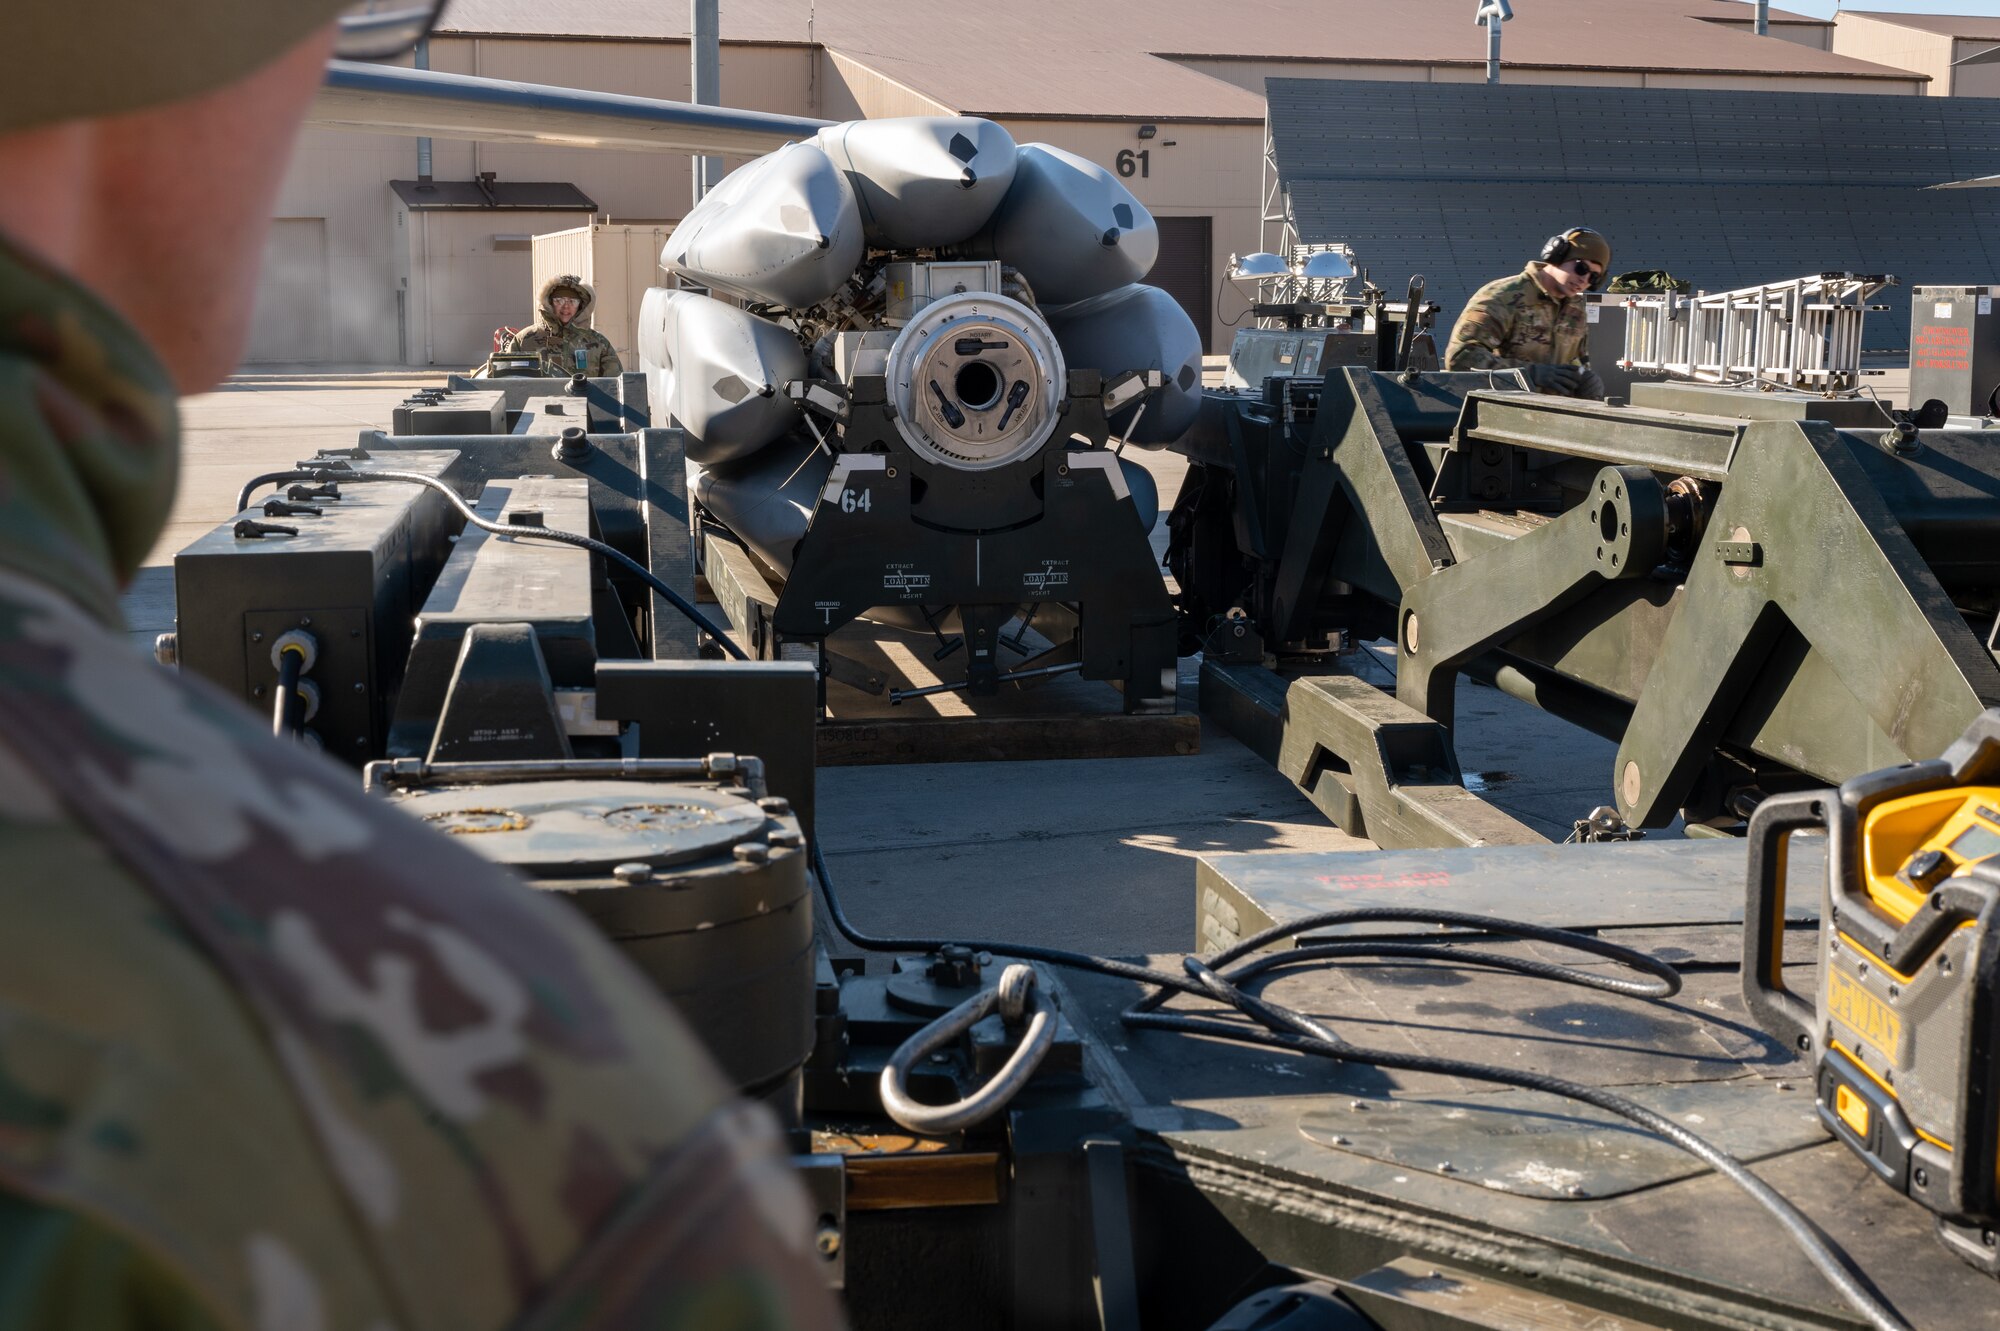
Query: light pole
{"points": [[705, 48]]}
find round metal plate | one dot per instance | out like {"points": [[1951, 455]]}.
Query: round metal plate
{"points": [[565, 828], [977, 380]]}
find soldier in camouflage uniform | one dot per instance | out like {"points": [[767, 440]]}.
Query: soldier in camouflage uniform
{"points": [[1536, 320], [566, 345], [272, 1054]]}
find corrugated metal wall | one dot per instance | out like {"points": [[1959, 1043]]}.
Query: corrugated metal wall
{"points": [[1463, 182]]}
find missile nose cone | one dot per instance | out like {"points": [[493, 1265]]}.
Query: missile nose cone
{"points": [[968, 178], [1109, 239]]}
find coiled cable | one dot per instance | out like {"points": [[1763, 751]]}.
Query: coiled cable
{"points": [[1284, 1028]]}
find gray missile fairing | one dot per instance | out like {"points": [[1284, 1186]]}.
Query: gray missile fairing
{"points": [[719, 371], [1070, 227], [1138, 327], [923, 181], [789, 235], [769, 499]]}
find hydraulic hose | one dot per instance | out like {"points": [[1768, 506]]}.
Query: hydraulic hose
{"points": [[472, 518], [1286, 1029]]}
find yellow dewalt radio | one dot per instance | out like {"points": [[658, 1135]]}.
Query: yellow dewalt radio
{"points": [[1903, 1033]]}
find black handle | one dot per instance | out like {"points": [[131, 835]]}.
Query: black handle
{"points": [[1777, 1009]]}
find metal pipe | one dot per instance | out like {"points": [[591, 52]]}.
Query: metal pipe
{"points": [[1763, 18], [1037, 672], [705, 53], [395, 772], [423, 61], [1541, 688], [1493, 48]]}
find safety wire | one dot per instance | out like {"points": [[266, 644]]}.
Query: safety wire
{"points": [[1221, 979], [466, 511]]}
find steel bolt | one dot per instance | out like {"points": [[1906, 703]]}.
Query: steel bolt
{"points": [[1631, 784], [1447, 1167], [787, 838], [752, 852], [827, 1240], [1923, 1177], [1990, 1238], [775, 805], [633, 872]]}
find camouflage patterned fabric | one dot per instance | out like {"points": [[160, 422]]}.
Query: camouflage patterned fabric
{"points": [[1513, 322], [571, 348], [271, 1053]]}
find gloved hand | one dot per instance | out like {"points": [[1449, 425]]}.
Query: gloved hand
{"points": [[1590, 385], [1561, 380]]}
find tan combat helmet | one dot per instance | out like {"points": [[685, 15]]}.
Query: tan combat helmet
{"points": [[126, 55]]}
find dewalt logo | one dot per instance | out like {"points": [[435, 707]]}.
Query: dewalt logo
{"points": [[1873, 1021]]}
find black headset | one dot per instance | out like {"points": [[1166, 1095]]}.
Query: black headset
{"points": [[1559, 247]]}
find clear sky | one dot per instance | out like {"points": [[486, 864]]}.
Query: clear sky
{"points": [[1825, 8]]}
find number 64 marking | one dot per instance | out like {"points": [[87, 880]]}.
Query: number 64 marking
{"points": [[850, 501]]}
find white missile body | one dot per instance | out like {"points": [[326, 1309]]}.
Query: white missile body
{"points": [[790, 234], [720, 372], [923, 181], [768, 501], [1138, 327], [1070, 227]]}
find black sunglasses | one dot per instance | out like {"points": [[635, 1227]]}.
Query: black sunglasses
{"points": [[1584, 268], [382, 29]]}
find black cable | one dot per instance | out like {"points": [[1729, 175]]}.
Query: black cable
{"points": [[288, 709], [1298, 1033], [465, 510]]}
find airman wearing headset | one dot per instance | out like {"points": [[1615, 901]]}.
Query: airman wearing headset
{"points": [[1535, 321]]}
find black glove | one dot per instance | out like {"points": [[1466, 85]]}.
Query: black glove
{"points": [[1561, 380], [1591, 386]]}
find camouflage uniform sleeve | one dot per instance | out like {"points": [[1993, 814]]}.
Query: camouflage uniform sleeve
{"points": [[1481, 332], [607, 358], [59, 1270]]}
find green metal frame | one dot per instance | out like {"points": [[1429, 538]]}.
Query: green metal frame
{"points": [[1744, 604]]}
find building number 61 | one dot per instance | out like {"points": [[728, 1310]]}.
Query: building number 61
{"points": [[1131, 163]]}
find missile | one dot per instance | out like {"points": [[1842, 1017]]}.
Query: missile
{"points": [[785, 230], [1070, 228], [923, 181], [1137, 327], [720, 372]]}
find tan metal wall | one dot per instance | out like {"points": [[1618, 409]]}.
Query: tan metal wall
{"points": [[852, 91], [1899, 47], [1974, 80], [462, 288], [619, 260]]}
